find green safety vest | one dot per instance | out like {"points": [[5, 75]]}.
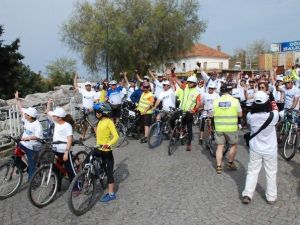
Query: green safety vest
{"points": [[226, 114], [188, 99]]}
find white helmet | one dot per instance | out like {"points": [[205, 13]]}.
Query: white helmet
{"points": [[212, 85], [166, 82], [192, 79], [112, 82]]}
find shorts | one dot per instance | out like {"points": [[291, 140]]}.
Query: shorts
{"points": [[147, 119], [92, 119], [115, 111], [230, 137]]}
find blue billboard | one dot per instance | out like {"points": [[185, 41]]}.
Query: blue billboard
{"points": [[290, 46]]}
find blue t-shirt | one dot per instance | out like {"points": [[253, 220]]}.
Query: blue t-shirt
{"points": [[115, 96]]}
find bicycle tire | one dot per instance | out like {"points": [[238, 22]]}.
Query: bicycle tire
{"points": [[79, 127], [122, 134], [8, 170], [155, 135], [78, 160], [38, 179], [79, 184], [173, 143], [212, 147], [290, 145]]}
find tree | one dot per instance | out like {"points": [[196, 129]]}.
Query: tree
{"points": [[138, 31], [249, 56], [60, 71]]}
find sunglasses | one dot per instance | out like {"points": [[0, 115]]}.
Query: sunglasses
{"points": [[146, 86], [261, 87], [165, 85]]}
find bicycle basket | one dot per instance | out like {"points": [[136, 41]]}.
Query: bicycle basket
{"points": [[46, 155]]}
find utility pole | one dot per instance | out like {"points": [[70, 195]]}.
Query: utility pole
{"points": [[107, 51]]}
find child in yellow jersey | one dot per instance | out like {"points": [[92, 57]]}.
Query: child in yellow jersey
{"points": [[106, 136]]}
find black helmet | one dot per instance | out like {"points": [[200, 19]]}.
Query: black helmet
{"points": [[226, 87]]}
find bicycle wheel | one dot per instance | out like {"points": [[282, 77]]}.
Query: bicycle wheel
{"points": [[155, 135], [79, 127], [122, 134], [11, 177], [174, 139], [290, 145], [212, 146], [78, 160], [43, 186], [81, 193]]}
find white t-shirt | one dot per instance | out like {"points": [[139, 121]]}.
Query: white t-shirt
{"points": [[217, 82], [250, 93], [266, 141], [289, 95], [88, 98], [168, 99], [130, 90], [208, 100], [201, 90], [158, 88], [97, 96], [61, 133], [31, 129]]}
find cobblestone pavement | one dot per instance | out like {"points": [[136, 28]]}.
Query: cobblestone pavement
{"points": [[154, 188]]}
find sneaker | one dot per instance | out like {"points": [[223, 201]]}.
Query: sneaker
{"points": [[219, 169], [271, 202], [144, 140], [108, 197], [200, 142], [231, 166], [246, 200], [189, 148]]}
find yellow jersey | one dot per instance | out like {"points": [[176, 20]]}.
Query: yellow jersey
{"points": [[106, 133]]}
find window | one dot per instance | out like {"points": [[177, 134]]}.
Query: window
{"points": [[183, 67], [221, 65]]}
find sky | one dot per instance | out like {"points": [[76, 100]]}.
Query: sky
{"points": [[231, 24]]}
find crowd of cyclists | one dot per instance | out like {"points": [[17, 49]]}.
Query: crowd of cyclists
{"points": [[227, 99]]}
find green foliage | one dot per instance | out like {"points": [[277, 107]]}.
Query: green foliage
{"points": [[16, 76], [139, 32]]}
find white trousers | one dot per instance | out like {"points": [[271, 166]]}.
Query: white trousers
{"points": [[270, 164]]}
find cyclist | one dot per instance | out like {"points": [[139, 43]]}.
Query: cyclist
{"points": [[131, 87], [158, 82], [145, 105], [63, 131], [189, 103], [226, 111], [88, 98], [213, 78], [105, 130], [167, 98], [114, 97], [207, 104], [32, 131]]}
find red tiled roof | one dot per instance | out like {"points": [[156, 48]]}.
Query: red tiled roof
{"points": [[205, 51]]}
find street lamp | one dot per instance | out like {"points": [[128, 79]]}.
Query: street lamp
{"points": [[106, 51]]}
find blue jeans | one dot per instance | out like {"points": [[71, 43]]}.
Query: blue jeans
{"points": [[31, 155]]}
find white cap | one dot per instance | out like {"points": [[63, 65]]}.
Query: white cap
{"points": [[112, 82], [166, 82], [279, 78], [192, 79], [31, 112], [146, 77], [87, 83], [261, 97], [246, 76], [59, 112], [212, 85]]}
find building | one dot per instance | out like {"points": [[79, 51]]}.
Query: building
{"points": [[210, 59]]}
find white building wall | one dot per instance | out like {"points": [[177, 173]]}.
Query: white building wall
{"points": [[211, 63]]}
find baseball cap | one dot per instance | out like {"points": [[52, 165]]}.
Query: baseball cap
{"points": [[166, 82], [31, 112], [87, 83], [212, 85], [261, 97], [59, 112], [112, 82]]}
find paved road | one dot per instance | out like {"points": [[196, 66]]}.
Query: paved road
{"points": [[154, 188]]}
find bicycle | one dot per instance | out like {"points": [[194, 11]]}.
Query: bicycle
{"points": [[11, 172], [178, 134], [83, 121], [160, 129], [289, 133], [209, 138], [46, 181], [84, 183]]}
